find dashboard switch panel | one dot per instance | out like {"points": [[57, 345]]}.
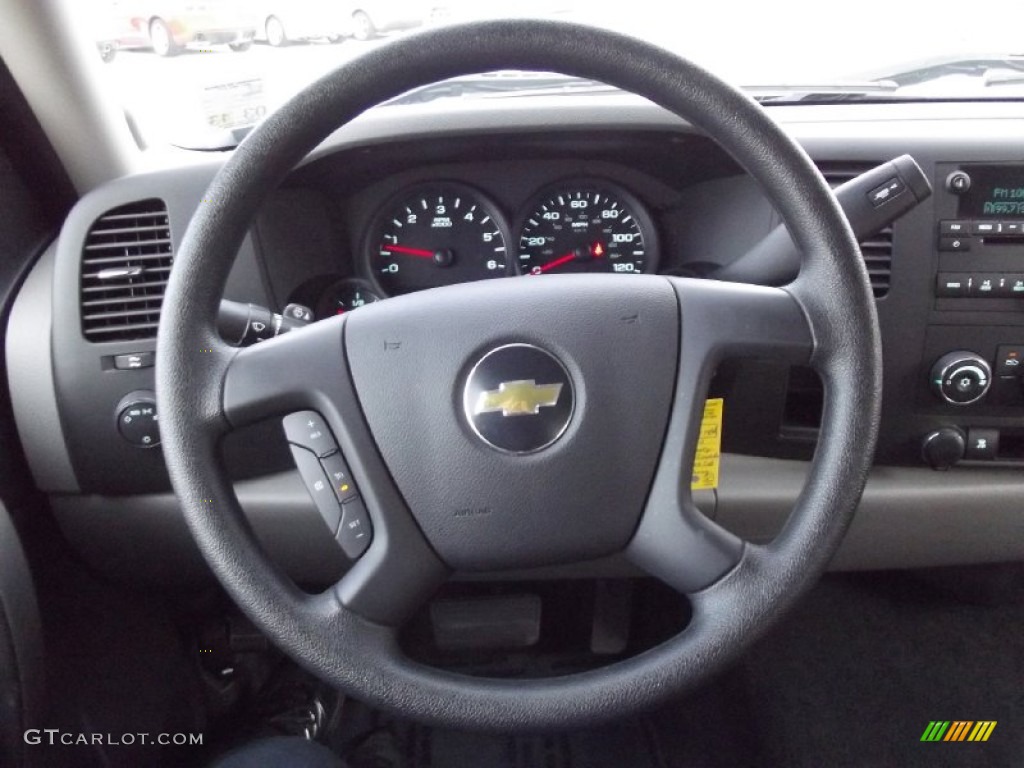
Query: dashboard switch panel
{"points": [[137, 419]]}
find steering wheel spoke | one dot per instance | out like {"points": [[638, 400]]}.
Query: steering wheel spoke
{"points": [[304, 369], [307, 370], [674, 540], [396, 576], [722, 320]]}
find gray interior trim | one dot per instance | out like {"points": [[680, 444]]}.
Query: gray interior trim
{"points": [[908, 517], [20, 620], [860, 130], [146, 537], [31, 382], [62, 85]]}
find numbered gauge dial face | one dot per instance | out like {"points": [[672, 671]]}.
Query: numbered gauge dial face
{"points": [[345, 296], [436, 235], [586, 227]]}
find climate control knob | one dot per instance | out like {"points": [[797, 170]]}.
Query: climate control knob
{"points": [[961, 378]]}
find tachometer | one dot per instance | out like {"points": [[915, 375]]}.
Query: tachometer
{"points": [[434, 235], [586, 227]]}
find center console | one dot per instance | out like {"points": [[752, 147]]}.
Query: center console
{"points": [[973, 354]]}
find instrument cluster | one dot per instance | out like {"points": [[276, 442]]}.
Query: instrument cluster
{"points": [[445, 232]]}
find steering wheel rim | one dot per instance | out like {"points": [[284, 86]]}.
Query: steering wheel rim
{"points": [[826, 318]]}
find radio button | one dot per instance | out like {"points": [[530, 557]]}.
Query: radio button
{"points": [[1011, 228], [1015, 285], [1002, 284], [954, 227], [985, 228], [985, 286], [952, 285], [954, 244]]}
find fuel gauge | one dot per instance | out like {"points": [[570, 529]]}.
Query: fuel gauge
{"points": [[345, 296]]}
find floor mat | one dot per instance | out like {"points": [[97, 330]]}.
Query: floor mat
{"points": [[629, 744], [865, 663], [851, 679]]}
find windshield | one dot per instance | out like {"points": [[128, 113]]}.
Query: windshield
{"points": [[201, 74]]}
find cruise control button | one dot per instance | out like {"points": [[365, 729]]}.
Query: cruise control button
{"points": [[319, 486], [309, 430], [954, 227], [952, 285], [982, 444], [355, 531], [340, 477], [952, 244]]}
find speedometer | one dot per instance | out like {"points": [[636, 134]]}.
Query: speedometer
{"points": [[586, 227]]}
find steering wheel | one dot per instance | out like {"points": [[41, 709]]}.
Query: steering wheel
{"points": [[444, 404]]}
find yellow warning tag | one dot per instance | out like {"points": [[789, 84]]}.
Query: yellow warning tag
{"points": [[709, 447]]}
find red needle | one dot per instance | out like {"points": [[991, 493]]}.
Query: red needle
{"points": [[408, 251], [553, 263]]}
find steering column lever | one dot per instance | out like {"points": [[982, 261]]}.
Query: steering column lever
{"points": [[242, 325], [871, 202]]}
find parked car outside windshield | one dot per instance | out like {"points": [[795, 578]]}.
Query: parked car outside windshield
{"points": [[791, 49]]}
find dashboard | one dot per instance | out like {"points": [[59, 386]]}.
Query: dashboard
{"points": [[408, 198]]}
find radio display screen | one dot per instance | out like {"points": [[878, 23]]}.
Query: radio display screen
{"points": [[997, 191]]}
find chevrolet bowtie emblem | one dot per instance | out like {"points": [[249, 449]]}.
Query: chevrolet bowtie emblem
{"points": [[524, 397]]}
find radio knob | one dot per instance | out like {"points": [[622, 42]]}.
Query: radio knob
{"points": [[958, 182], [944, 447], [961, 378]]}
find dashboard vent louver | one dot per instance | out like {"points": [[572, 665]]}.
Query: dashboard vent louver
{"points": [[126, 261], [877, 250]]}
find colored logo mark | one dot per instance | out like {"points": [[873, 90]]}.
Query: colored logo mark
{"points": [[958, 730]]}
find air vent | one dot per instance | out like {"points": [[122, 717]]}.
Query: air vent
{"points": [[125, 265], [877, 250]]}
